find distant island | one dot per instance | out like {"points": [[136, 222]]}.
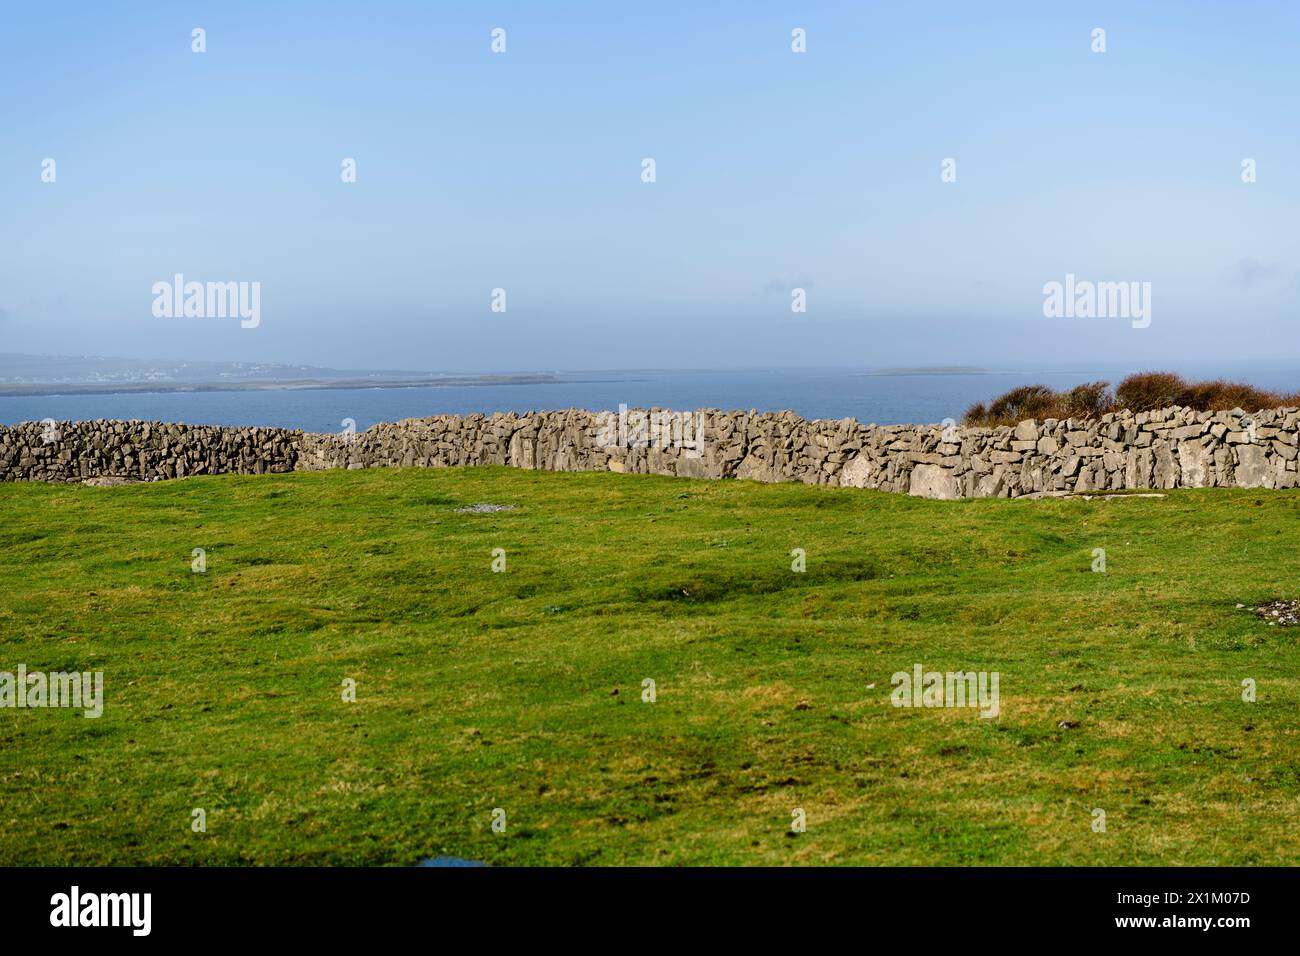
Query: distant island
{"points": [[933, 370], [28, 375], [153, 388]]}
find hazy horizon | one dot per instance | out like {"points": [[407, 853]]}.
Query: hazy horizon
{"points": [[1212, 366]]}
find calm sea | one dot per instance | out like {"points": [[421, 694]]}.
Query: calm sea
{"points": [[812, 393]]}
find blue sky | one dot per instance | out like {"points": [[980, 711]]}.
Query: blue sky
{"points": [[774, 170]]}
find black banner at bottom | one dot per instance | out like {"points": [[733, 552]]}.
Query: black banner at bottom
{"points": [[369, 905]]}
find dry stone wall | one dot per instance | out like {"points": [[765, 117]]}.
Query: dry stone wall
{"points": [[1170, 448], [143, 451]]}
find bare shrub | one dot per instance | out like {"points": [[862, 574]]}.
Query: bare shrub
{"points": [[1142, 392], [1147, 391]]}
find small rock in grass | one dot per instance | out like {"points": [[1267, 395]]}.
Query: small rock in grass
{"points": [[449, 861], [109, 481], [1286, 613]]}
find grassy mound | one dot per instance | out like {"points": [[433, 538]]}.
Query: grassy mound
{"points": [[522, 690]]}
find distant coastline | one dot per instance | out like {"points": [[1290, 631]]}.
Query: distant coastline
{"points": [[164, 388], [38, 389], [30, 376], [933, 370]]}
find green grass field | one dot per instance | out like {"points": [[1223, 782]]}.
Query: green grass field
{"points": [[522, 690]]}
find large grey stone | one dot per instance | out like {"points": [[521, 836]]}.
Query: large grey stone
{"points": [[857, 472], [1252, 467], [933, 481], [1196, 468]]}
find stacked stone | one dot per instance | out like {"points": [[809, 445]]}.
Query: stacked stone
{"points": [[140, 451], [1171, 448]]}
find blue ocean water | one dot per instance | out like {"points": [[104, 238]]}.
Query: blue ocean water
{"points": [[812, 393]]}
